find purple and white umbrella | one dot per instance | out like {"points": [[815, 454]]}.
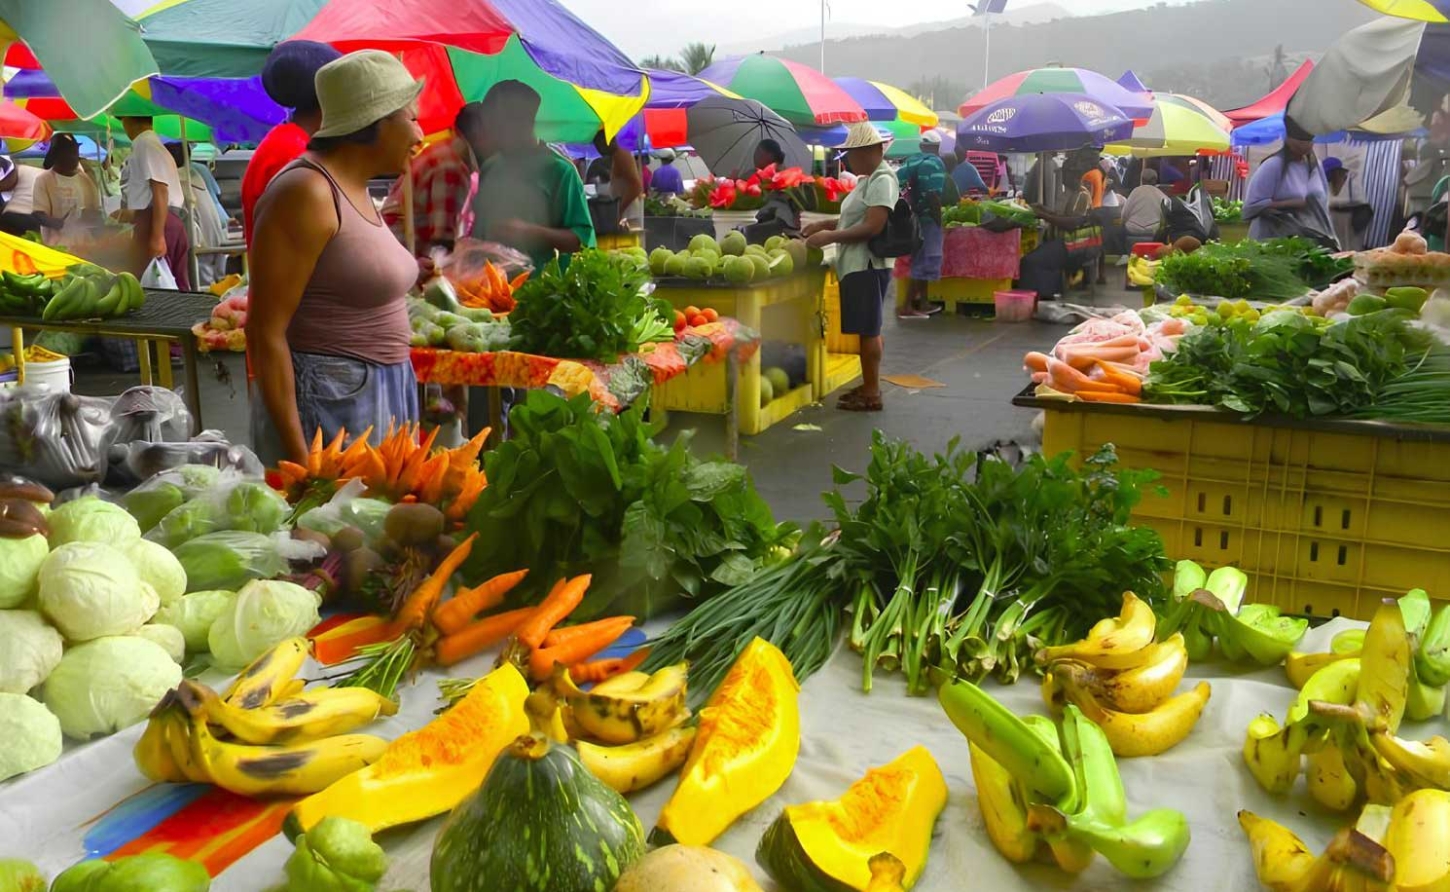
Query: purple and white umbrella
{"points": [[1042, 122]]}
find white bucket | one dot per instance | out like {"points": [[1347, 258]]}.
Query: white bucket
{"points": [[54, 374]]}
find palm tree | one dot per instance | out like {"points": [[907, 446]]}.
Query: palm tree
{"points": [[697, 57], [661, 63]]}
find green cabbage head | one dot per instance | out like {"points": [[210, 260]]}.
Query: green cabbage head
{"points": [[29, 649], [108, 684], [264, 612], [91, 519], [89, 590], [20, 561]]}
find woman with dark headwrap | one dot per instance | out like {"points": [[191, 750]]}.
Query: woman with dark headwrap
{"points": [[1288, 195]]}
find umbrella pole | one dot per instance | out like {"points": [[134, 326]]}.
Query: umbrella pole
{"points": [[191, 228]]}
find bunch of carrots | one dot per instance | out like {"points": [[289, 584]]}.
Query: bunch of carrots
{"points": [[1091, 373], [490, 291], [403, 467], [429, 629]]}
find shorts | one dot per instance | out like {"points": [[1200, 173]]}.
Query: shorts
{"points": [[337, 393], [926, 262], [862, 296]]}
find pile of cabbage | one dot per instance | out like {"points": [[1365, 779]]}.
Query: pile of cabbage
{"points": [[96, 621]]}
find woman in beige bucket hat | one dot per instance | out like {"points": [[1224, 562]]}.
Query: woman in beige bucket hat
{"points": [[327, 331]]}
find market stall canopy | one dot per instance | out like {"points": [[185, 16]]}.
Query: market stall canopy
{"points": [[19, 125], [461, 49], [1076, 82], [1132, 83], [724, 133], [1218, 118], [93, 52], [1397, 123], [1365, 73], [221, 38], [801, 95], [664, 123], [1274, 102], [1420, 10], [1042, 122], [1173, 130], [883, 102]]}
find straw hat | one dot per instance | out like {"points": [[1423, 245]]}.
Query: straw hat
{"points": [[862, 135], [361, 88]]}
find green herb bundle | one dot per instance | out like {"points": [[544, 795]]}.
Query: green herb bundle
{"points": [[578, 491], [592, 308], [1271, 270]]}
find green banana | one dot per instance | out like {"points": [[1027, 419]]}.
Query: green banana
{"points": [[63, 298], [1228, 585], [1432, 660], [1196, 640], [1188, 578], [1142, 849], [135, 296], [1422, 701], [1415, 608], [1100, 786], [1009, 741], [23, 285], [1273, 754], [95, 287], [109, 305]]}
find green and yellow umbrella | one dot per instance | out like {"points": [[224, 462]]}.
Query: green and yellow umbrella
{"points": [[1419, 10]]}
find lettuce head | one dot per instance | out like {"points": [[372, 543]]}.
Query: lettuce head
{"points": [[155, 564], [20, 561], [31, 734], [264, 613], [108, 684], [29, 649], [169, 637], [194, 613], [89, 590], [91, 519]]}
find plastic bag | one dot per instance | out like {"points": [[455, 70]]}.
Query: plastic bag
{"points": [[347, 508], [481, 273], [234, 502], [158, 275], [52, 437], [132, 462], [232, 558], [167, 491]]}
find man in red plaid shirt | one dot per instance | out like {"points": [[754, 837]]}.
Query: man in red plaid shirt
{"points": [[445, 176]]}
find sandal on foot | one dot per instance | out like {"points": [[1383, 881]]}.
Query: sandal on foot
{"points": [[856, 402]]}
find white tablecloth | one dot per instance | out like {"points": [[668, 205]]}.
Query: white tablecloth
{"points": [[845, 732]]}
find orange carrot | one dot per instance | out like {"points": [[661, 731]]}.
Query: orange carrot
{"points": [[1128, 382], [597, 628], [575, 650], [1035, 362], [1105, 396], [1084, 360], [1039, 377], [419, 605], [329, 649], [459, 611], [603, 670], [479, 636], [1065, 377], [552, 610]]}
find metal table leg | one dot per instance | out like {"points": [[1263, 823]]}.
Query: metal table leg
{"points": [[732, 415], [193, 383]]}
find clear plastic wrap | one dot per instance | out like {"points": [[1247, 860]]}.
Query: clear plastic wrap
{"points": [[131, 462], [348, 508], [480, 273], [233, 502], [229, 559], [162, 493], [54, 438]]}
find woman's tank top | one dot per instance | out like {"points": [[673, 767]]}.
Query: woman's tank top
{"points": [[354, 304]]}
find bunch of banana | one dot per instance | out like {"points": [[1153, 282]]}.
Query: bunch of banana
{"points": [[1056, 795], [265, 735], [24, 295], [630, 731], [94, 294], [1210, 607], [1352, 862], [1124, 682]]}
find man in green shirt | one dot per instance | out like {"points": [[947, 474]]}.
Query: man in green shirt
{"points": [[924, 178], [528, 197]]}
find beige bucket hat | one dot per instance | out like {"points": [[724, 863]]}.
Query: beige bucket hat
{"points": [[862, 135], [361, 88]]}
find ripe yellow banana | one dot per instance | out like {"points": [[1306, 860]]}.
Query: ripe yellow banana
{"points": [[1384, 676], [268, 676], [1146, 734], [627, 716], [153, 753], [1003, 801], [311, 715], [1424, 764], [624, 682], [1146, 687], [297, 770], [1336, 682], [635, 766], [1281, 859], [1330, 782], [1301, 667], [1112, 643], [1419, 840]]}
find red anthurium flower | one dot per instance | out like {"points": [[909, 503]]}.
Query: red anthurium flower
{"points": [[723, 195]]}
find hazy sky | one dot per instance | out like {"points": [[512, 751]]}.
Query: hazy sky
{"points": [[642, 27]]}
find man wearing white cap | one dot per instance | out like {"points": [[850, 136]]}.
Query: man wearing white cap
{"points": [[923, 179], [864, 276]]}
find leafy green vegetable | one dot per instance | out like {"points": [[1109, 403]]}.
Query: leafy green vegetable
{"points": [[595, 308], [1226, 211], [576, 491], [1274, 269]]}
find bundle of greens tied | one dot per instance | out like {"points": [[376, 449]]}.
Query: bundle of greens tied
{"points": [[955, 565]]}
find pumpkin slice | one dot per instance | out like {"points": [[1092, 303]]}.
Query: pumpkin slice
{"points": [[748, 739], [828, 846], [428, 771]]}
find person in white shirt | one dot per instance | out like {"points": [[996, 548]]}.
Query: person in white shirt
{"points": [[18, 190], [1143, 211], [66, 199], [151, 191]]}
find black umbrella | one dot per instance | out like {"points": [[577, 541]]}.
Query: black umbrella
{"points": [[725, 132]]}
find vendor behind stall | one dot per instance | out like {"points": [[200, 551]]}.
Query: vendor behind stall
{"points": [[529, 197], [443, 180], [66, 198], [1288, 195], [18, 188], [151, 190], [666, 180]]}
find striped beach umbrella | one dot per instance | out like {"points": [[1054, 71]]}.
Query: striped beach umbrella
{"points": [[1173, 130], [883, 102], [1075, 81], [798, 93]]}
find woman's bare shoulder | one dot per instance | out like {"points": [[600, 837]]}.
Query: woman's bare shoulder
{"points": [[300, 190]]}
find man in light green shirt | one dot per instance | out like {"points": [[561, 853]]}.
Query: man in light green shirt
{"points": [[864, 277]]}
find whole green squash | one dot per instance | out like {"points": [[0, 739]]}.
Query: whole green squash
{"points": [[539, 823]]}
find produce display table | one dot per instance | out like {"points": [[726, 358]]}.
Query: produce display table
{"points": [[1326, 517], [92, 799], [167, 318], [976, 263], [785, 309]]}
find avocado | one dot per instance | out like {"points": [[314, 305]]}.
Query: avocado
{"points": [[1406, 298], [1365, 304]]}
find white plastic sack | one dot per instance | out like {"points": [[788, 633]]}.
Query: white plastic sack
{"points": [[158, 275]]}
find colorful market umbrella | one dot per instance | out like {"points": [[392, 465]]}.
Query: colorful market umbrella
{"points": [[801, 95], [1132, 83], [1076, 82], [1215, 117], [221, 38], [1274, 102], [1173, 130], [1042, 122], [883, 102], [665, 123], [461, 49], [1420, 10], [20, 125], [724, 133], [93, 52]]}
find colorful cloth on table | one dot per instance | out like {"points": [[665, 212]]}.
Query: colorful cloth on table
{"points": [[971, 252], [879, 190], [444, 180], [537, 187], [667, 180], [281, 146], [150, 163]]}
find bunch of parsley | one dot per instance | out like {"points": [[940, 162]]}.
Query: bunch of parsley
{"points": [[594, 307]]}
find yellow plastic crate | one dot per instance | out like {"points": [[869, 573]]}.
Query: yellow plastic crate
{"points": [[836, 342], [954, 291], [618, 240], [1326, 520]]}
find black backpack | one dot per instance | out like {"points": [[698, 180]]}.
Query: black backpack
{"points": [[902, 235]]}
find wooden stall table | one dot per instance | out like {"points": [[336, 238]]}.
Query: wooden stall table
{"points": [[166, 319], [976, 264]]}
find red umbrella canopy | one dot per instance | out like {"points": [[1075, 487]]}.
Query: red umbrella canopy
{"points": [[1275, 102], [17, 123]]}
